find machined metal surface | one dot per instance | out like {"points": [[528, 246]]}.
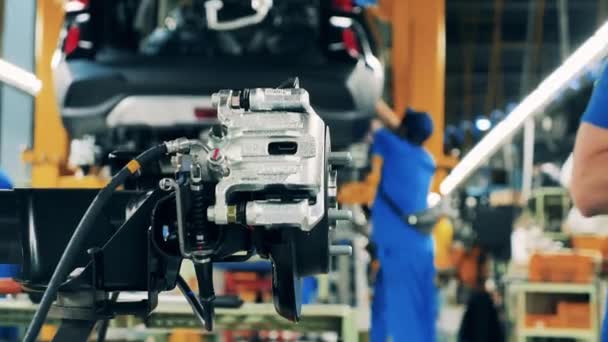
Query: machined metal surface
{"points": [[277, 145], [168, 184], [262, 182]]}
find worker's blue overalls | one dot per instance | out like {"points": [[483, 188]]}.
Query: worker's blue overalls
{"points": [[404, 304], [597, 115], [7, 271]]}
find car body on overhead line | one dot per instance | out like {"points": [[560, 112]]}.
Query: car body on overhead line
{"points": [[129, 73]]}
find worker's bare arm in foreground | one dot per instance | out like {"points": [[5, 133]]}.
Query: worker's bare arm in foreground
{"points": [[387, 115], [590, 173], [589, 184]]}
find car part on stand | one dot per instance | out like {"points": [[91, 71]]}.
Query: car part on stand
{"points": [[262, 182]]}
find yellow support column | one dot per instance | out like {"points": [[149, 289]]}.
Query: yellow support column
{"points": [[50, 138], [427, 65], [401, 55], [50, 151]]}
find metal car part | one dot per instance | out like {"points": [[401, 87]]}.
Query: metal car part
{"points": [[263, 182], [168, 184], [273, 140]]}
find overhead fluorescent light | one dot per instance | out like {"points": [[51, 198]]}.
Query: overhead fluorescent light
{"points": [[483, 124], [19, 78], [341, 22], [591, 52]]}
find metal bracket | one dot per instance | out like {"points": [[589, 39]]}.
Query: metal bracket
{"points": [[213, 7]]}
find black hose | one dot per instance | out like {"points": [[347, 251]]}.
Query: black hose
{"points": [[102, 329], [78, 239], [204, 276], [192, 299]]}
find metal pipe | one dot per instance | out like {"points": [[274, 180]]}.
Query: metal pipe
{"points": [[526, 79], [192, 298], [19, 78], [168, 184], [528, 159], [564, 28]]}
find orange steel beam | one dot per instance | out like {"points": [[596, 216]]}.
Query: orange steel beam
{"points": [[418, 65], [50, 149], [50, 138], [401, 55]]}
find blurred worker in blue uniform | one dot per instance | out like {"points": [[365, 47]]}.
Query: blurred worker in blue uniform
{"points": [[7, 272], [404, 307], [5, 182], [589, 184]]}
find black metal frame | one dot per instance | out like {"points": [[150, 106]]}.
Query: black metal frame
{"points": [[83, 299], [41, 221]]}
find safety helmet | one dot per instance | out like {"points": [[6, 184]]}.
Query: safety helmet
{"points": [[416, 127]]}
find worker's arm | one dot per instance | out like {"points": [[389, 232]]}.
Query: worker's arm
{"points": [[373, 178], [365, 192], [381, 149], [387, 115], [589, 184]]}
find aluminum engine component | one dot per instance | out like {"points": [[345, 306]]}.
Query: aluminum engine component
{"points": [[272, 144], [268, 166]]}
